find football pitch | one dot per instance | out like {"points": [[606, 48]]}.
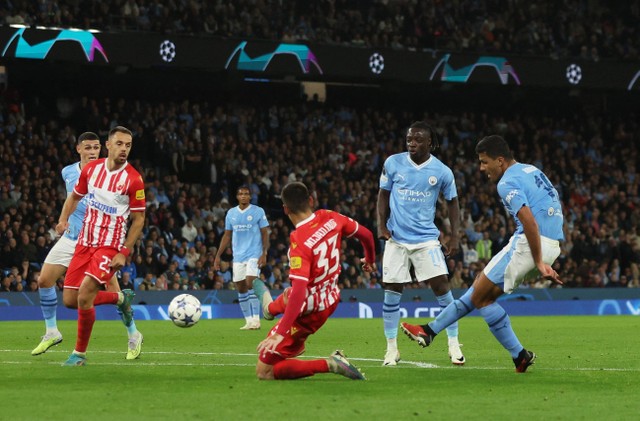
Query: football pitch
{"points": [[587, 368]]}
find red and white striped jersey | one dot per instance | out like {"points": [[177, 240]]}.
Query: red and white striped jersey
{"points": [[111, 196], [314, 256]]}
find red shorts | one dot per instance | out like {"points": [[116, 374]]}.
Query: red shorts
{"points": [[90, 261], [293, 343]]}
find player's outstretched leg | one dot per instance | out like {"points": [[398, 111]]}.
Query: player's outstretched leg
{"points": [[339, 364]]}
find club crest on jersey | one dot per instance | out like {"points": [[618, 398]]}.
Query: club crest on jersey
{"points": [[295, 262], [249, 218], [433, 180], [120, 187]]}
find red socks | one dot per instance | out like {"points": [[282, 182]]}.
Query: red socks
{"points": [[86, 318], [105, 297], [295, 369]]}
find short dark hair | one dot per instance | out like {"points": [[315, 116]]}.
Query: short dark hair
{"points": [[422, 125], [494, 146], [243, 187], [295, 196], [120, 129], [87, 136]]}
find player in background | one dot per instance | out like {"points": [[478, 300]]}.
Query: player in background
{"points": [[57, 261], [314, 258], [533, 202], [115, 194], [247, 229], [410, 185]]}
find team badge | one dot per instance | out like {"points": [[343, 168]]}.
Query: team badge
{"points": [[295, 262], [249, 218], [433, 180]]}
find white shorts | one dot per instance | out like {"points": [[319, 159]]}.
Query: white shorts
{"points": [[62, 252], [427, 260], [243, 269], [514, 262]]}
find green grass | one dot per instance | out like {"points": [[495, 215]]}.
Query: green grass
{"points": [[587, 368]]}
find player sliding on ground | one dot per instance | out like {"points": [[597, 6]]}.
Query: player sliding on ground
{"points": [[314, 258]]}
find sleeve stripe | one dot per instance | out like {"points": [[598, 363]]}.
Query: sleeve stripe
{"points": [[355, 230], [79, 194], [137, 209]]}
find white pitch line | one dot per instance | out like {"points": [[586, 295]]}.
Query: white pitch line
{"points": [[402, 364]]}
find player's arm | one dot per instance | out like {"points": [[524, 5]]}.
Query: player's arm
{"points": [[383, 212], [224, 243], [70, 205], [532, 232], [365, 236], [264, 232], [454, 218], [291, 312], [137, 224]]}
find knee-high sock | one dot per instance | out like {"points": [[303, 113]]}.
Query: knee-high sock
{"points": [[243, 298], [295, 369], [49, 305], [453, 312], [86, 318], [500, 325], [391, 313], [254, 304], [106, 297], [444, 301]]}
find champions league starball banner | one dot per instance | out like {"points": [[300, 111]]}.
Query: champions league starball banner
{"points": [[273, 61]]}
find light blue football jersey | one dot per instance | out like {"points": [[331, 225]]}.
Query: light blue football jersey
{"points": [[414, 194], [70, 175], [525, 185], [246, 241]]}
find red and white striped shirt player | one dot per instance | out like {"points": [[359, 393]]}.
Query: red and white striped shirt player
{"points": [[115, 194], [111, 195]]}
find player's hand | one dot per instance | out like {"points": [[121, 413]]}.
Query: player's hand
{"points": [[118, 261], [262, 260], [216, 263], [384, 233], [549, 273], [451, 249], [269, 345], [61, 227], [368, 267]]}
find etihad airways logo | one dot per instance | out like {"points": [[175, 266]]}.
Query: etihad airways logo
{"points": [[414, 195]]}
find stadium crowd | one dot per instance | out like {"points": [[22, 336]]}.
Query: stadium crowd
{"points": [[568, 28], [194, 155]]}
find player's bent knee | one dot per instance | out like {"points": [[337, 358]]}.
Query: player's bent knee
{"points": [[264, 371]]}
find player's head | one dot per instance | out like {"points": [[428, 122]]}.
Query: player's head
{"points": [[88, 147], [494, 155], [243, 194], [424, 135], [119, 144], [296, 198]]}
